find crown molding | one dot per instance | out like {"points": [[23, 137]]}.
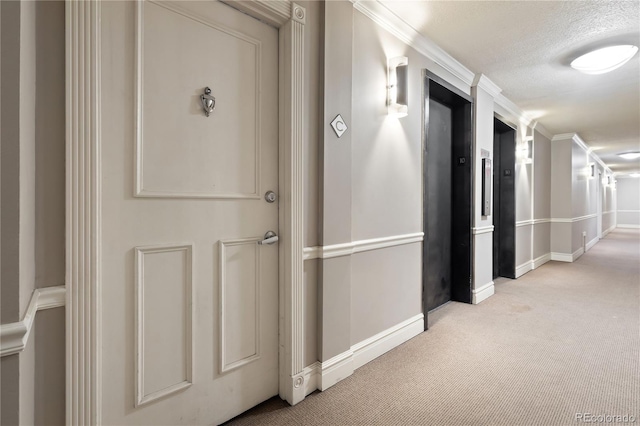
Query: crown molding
{"points": [[578, 140], [511, 110], [485, 83], [385, 18], [536, 126]]}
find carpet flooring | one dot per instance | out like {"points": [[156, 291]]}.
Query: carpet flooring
{"points": [[558, 346]]}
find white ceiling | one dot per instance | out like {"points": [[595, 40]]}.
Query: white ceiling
{"points": [[525, 48]]}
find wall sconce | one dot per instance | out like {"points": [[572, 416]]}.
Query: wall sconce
{"points": [[397, 89], [524, 152]]}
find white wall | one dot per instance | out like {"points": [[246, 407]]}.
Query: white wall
{"points": [[628, 195]]}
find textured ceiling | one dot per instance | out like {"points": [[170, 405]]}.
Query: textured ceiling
{"points": [[525, 48]]}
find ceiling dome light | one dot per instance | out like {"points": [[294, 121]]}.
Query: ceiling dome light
{"points": [[605, 59], [630, 155]]}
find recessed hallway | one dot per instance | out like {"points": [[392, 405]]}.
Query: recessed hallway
{"points": [[560, 342]]}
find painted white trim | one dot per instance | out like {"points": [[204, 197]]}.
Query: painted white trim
{"points": [[483, 230], [573, 219], [576, 254], [624, 226], [375, 346], [483, 293], [532, 222], [312, 253], [541, 260], [522, 223], [578, 140], [336, 369], [530, 265], [605, 232], [561, 220], [83, 329], [585, 217], [524, 268], [624, 211], [485, 83], [540, 221], [535, 125], [347, 249], [508, 109], [567, 257], [381, 15], [592, 243], [312, 377], [14, 336], [330, 372], [561, 257]]}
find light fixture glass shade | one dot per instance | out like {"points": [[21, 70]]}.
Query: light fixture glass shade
{"points": [[604, 60], [630, 155], [398, 91]]}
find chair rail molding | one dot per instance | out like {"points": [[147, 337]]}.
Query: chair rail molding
{"points": [[14, 336], [353, 247], [83, 222]]}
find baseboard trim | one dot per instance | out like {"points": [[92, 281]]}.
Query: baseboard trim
{"points": [[534, 264], [576, 254], [14, 336], [628, 226], [371, 348], [592, 243], [524, 268], [539, 261], [482, 293], [562, 257], [312, 377], [323, 375], [605, 232]]}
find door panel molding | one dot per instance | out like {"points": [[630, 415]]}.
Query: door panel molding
{"points": [[143, 395], [83, 201], [226, 364], [142, 190]]}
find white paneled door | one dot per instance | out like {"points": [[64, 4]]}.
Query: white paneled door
{"points": [[189, 297]]}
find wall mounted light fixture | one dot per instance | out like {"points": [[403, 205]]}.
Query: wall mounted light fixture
{"points": [[397, 88], [524, 152]]}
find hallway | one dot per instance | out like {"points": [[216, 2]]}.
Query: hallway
{"points": [[563, 341]]}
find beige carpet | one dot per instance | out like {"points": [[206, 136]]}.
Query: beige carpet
{"points": [[561, 340]]}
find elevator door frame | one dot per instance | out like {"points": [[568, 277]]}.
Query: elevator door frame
{"points": [[461, 105], [504, 203]]}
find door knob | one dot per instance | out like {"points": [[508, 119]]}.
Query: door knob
{"points": [[269, 238]]}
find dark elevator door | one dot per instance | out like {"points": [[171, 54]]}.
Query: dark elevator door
{"points": [[504, 205], [438, 205]]}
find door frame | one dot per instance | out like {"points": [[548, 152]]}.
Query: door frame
{"points": [[83, 201], [452, 96]]}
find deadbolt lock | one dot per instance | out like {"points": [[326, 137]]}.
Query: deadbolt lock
{"points": [[270, 196]]}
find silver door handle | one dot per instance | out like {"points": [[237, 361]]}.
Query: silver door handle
{"points": [[269, 238]]}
